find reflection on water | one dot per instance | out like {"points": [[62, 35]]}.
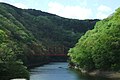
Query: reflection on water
{"points": [[58, 71]]}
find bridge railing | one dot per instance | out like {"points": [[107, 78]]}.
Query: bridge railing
{"points": [[49, 54]]}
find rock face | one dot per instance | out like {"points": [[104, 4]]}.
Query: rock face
{"points": [[107, 74]]}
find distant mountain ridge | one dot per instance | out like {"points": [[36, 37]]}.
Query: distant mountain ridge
{"points": [[30, 31], [30, 26]]}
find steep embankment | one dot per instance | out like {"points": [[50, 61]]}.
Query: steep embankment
{"points": [[99, 48], [26, 32]]}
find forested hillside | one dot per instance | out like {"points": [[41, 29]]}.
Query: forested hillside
{"points": [[24, 32], [99, 48]]}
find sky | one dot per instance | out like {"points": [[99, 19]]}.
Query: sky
{"points": [[74, 9]]}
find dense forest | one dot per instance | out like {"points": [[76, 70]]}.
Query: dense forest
{"points": [[25, 32], [99, 48]]}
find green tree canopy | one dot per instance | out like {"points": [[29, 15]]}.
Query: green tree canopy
{"points": [[99, 48]]}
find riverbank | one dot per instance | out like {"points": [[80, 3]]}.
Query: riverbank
{"points": [[30, 66], [107, 74], [98, 73]]}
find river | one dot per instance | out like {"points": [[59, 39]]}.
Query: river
{"points": [[58, 71]]}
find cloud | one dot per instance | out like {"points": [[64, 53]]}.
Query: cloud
{"points": [[1, 0], [83, 3], [103, 11], [12, 2], [104, 8], [101, 15], [5, 1], [55, 7], [75, 12], [20, 5]]}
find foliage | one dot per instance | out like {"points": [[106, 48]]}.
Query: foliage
{"points": [[28, 32], [13, 70], [10, 66], [99, 48], [30, 26]]}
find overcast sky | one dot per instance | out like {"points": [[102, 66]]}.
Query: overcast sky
{"points": [[76, 9]]}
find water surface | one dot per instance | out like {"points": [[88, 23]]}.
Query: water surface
{"points": [[58, 71]]}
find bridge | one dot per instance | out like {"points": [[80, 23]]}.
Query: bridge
{"points": [[38, 59], [49, 55]]}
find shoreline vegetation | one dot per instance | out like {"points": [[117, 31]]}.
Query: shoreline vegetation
{"points": [[97, 52], [98, 73], [28, 35]]}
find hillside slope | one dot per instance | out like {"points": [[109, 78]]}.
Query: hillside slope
{"points": [[51, 30], [28, 32], [99, 48]]}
